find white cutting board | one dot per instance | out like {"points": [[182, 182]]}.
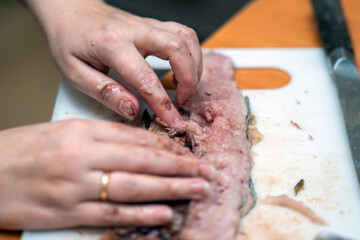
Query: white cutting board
{"points": [[286, 153]]}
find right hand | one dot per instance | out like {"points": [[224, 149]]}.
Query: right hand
{"points": [[50, 175], [88, 37]]}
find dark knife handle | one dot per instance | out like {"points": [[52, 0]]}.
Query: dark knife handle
{"points": [[332, 25]]}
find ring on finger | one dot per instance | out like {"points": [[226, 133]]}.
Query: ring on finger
{"points": [[104, 195]]}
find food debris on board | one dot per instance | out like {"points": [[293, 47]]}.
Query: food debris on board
{"points": [[285, 201], [299, 186], [253, 133], [295, 125]]}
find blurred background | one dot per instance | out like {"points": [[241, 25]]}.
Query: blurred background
{"points": [[28, 78]]}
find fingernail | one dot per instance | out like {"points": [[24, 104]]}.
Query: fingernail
{"points": [[207, 171], [127, 109], [199, 189], [179, 123], [164, 215]]}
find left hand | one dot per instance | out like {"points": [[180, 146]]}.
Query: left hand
{"points": [[50, 175], [88, 37]]}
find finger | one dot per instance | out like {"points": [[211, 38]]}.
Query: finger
{"points": [[128, 187], [112, 214], [133, 68], [104, 89], [188, 34], [112, 132], [192, 41], [137, 159], [131, 187], [172, 47]]}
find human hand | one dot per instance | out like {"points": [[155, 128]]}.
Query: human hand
{"points": [[50, 175], [88, 37]]}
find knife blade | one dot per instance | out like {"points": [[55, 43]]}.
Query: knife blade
{"points": [[333, 29], [325, 235]]}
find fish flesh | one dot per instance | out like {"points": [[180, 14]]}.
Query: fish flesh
{"points": [[216, 132]]}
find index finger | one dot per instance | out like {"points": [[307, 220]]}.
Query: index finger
{"points": [[132, 67], [112, 132], [169, 46]]}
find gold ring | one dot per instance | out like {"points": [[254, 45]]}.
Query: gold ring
{"points": [[104, 186]]}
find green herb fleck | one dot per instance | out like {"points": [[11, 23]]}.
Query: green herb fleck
{"points": [[247, 101]]}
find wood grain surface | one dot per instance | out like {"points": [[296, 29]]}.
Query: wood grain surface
{"points": [[278, 23], [270, 23]]}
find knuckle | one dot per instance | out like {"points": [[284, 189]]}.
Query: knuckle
{"points": [[162, 142], [185, 166], [75, 124], [73, 127], [73, 76], [189, 32], [174, 189], [56, 196], [171, 23], [70, 71], [109, 34], [188, 81], [120, 126], [110, 213], [176, 43], [134, 21], [139, 219], [148, 81], [130, 190], [141, 163]]}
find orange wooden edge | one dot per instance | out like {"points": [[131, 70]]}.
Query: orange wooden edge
{"points": [[4, 235], [248, 78]]}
